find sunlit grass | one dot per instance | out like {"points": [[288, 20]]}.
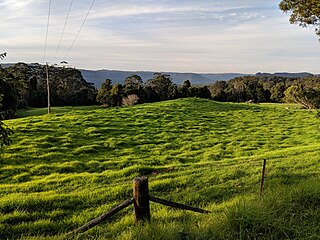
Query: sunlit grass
{"points": [[68, 167]]}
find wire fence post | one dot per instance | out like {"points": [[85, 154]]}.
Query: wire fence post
{"points": [[263, 176]]}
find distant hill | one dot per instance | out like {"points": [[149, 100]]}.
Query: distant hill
{"points": [[97, 77], [6, 65], [285, 74]]}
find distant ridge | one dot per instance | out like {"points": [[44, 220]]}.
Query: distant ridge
{"points": [[97, 77], [285, 74]]}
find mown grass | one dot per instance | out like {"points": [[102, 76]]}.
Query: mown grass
{"points": [[66, 168]]}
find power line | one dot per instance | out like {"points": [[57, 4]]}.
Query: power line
{"points": [[79, 30], [64, 28], [46, 41], [3, 55]]}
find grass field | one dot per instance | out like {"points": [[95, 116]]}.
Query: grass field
{"points": [[66, 168]]}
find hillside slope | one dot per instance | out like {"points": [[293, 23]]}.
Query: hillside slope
{"points": [[66, 168]]}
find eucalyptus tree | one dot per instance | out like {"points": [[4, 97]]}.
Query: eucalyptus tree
{"points": [[305, 13]]}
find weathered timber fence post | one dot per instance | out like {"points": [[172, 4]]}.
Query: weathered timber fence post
{"points": [[141, 199], [263, 176]]}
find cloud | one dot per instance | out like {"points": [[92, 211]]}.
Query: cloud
{"points": [[165, 35], [16, 4]]}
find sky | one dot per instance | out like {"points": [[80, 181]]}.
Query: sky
{"points": [[201, 36]]}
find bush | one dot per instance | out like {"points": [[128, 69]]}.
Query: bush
{"points": [[130, 100]]}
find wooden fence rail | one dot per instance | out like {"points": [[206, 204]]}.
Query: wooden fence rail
{"points": [[177, 205], [140, 200], [104, 216]]}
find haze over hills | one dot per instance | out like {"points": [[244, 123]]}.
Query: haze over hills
{"points": [[97, 77]]}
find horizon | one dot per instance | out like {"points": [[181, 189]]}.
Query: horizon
{"points": [[124, 70], [160, 36]]}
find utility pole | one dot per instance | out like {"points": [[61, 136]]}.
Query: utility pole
{"points": [[48, 89]]}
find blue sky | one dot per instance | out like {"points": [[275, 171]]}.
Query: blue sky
{"points": [[202, 36]]}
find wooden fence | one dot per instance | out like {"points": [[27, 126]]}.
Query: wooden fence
{"points": [[140, 200]]}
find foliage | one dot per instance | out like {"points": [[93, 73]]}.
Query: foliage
{"points": [[218, 90], [304, 13], [5, 87], [133, 85], [162, 87], [266, 89], [242, 89], [24, 86], [5, 132], [116, 95], [277, 92], [307, 97], [9, 95], [184, 89], [69, 167], [159, 88], [104, 93]]}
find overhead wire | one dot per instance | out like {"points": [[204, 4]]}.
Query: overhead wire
{"points": [[79, 30], [64, 28], [46, 40]]}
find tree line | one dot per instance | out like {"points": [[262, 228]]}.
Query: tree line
{"points": [[159, 88], [24, 85], [304, 91]]}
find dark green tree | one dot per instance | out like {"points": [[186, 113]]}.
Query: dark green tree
{"points": [[247, 88], [184, 88], [307, 97], [277, 92], [5, 132], [9, 97], [218, 91], [303, 12], [133, 85], [150, 95], [104, 93], [116, 95], [162, 86]]}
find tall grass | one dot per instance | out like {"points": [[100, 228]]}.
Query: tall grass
{"points": [[66, 168]]}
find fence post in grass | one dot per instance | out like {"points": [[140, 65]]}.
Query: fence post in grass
{"points": [[263, 176], [141, 199]]}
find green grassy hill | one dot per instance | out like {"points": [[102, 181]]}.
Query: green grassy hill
{"points": [[66, 168]]}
